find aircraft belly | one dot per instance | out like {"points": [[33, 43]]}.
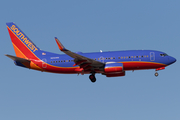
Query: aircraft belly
{"points": [[141, 65]]}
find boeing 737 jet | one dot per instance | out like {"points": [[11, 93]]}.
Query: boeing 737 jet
{"points": [[110, 64]]}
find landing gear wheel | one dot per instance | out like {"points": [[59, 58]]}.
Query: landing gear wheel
{"points": [[92, 78], [156, 74]]}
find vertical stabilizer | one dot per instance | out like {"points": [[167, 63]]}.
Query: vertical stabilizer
{"points": [[23, 46]]}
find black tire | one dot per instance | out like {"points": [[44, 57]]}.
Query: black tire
{"points": [[156, 74], [92, 78]]}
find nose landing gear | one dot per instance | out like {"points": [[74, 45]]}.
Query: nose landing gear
{"points": [[156, 74], [161, 68]]}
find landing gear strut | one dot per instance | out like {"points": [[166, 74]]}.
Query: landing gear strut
{"points": [[92, 78], [156, 74]]}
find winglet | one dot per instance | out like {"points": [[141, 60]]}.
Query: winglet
{"points": [[61, 47]]}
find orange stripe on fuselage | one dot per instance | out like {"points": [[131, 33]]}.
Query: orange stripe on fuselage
{"points": [[56, 69], [135, 65]]}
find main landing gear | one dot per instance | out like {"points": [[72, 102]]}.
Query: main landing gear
{"points": [[92, 78]]}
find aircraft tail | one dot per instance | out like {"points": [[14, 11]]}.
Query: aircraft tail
{"points": [[23, 46]]}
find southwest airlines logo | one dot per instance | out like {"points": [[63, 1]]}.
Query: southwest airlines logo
{"points": [[27, 42]]}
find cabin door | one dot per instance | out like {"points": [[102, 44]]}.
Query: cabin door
{"points": [[152, 56]]}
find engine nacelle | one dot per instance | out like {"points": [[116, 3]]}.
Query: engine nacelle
{"points": [[113, 68]]}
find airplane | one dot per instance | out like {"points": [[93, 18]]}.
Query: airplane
{"points": [[110, 64]]}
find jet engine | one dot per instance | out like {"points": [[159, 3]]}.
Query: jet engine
{"points": [[114, 70]]}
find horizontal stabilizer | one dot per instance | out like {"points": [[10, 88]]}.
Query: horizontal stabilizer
{"points": [[18, 59]]}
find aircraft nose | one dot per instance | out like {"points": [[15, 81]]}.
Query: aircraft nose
{"points": [[172, 60]]}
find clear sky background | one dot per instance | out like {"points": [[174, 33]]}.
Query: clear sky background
{"points": [[90, 26]]}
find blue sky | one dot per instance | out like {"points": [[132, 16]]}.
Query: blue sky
{"points": [[90, 26]]}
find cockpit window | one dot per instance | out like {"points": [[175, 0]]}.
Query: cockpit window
{"points": [[164, 54]]}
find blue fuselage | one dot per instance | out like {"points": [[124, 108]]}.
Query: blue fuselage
{"points": [[131, 59]]}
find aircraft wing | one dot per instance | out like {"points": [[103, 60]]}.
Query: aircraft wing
{"points": [[84, 62]]}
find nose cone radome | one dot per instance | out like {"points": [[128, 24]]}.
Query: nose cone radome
{"points": [[172, 60]]}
